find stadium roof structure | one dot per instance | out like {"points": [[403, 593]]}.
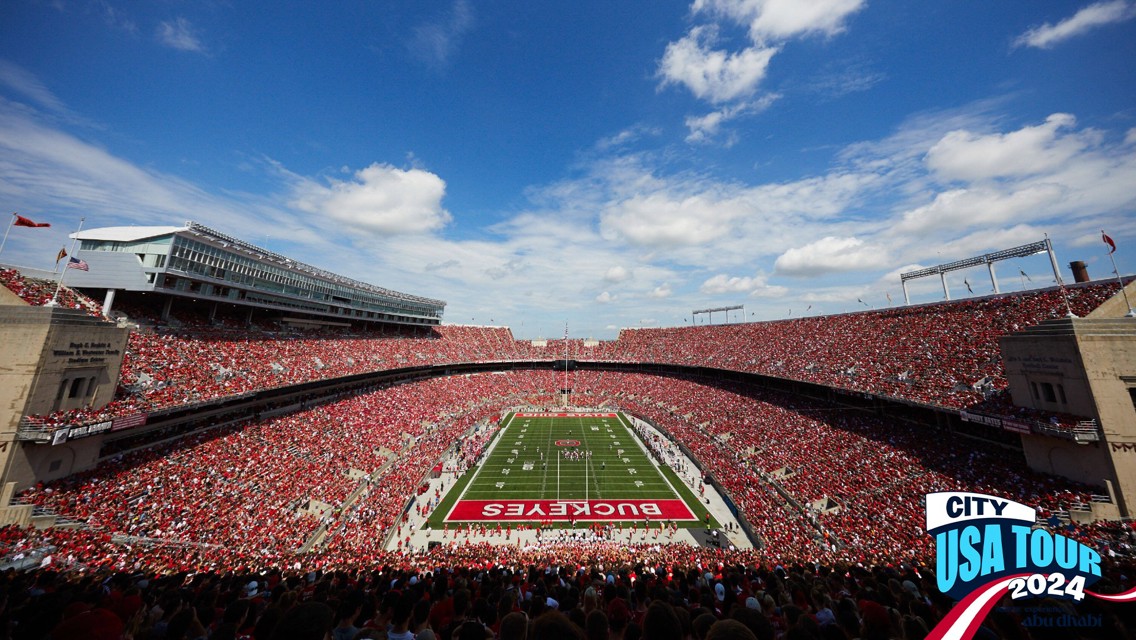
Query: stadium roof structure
{"points": [[199, 262], [126, 234], [988, 259]]}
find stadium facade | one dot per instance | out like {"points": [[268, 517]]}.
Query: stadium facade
{"points": [[1084, 367], [196, 263], [58, 360]]}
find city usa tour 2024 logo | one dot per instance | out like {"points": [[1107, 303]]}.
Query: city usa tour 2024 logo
{"points": [[986, 545]]}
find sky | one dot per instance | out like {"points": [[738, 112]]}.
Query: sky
{"points": [[595, 165]]}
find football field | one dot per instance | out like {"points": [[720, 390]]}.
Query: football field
{"points": [[549, 468]]}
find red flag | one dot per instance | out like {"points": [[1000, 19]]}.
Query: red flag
{"points": [[21, 221], [1109, 242], [61, 255]]}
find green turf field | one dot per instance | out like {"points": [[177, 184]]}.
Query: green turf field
{"points": [[567, 460]]}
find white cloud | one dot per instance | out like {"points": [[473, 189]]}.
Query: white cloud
{"points": [[18, 79], [842, 295], [436, 42], [625, 218], [768, 291], [445, 264], [783, 19], [843, 78], [617, 273], [960, 209], [115, 18], [723, 76], [813, 197], [1049, 172], [723, 283], [982, 241], [755, 286], [381, 198], [1095, 15], [627, 136], [703, 222], [713, 75], [54, 169], [831, 254], [181, 35], [962, 155], [691, 220], [660, 220], [705, 128], [1130, 136]]}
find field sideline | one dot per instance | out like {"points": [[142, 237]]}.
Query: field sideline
{"points": [[560, 469]]}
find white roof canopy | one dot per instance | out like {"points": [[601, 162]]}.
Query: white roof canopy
{"points": [[125, 234]]}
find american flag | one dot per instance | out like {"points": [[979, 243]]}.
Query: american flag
{"points": [[75, 263]]}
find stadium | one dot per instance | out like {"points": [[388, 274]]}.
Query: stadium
{"points": [[191, 406]]}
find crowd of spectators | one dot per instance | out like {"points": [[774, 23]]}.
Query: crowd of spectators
{"points": [[37, 292], [814, 483], [166, 367], [858, 478], [943, 354], [931, 353], [234, 505], [611, 592], [256, 492]]}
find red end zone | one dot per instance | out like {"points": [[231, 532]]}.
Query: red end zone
{"points": [[564, 415], [565, 510]]}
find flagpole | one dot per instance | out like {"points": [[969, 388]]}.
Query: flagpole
{"points": [[55, 297], [3, 242], [565, 393], [1131, 312]]}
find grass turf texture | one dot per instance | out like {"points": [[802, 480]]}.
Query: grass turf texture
{"points": [[527, 464]]}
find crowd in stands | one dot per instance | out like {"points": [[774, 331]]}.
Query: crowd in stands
{"points": [[240, 500], [256, 492], [769, 451], [37, 292], [813, 483], [943, 354], [529, 596], [168, 367]]}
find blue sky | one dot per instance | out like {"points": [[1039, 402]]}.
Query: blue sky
{"points": [[599, 164]]}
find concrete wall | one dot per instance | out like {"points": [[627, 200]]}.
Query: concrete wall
{"points": [[1094, 362], [1110, 364], [21, 343], [52, 359], [1045, 372], [1115, 306], [87, 355], [1088, 463], [32, 462]]}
